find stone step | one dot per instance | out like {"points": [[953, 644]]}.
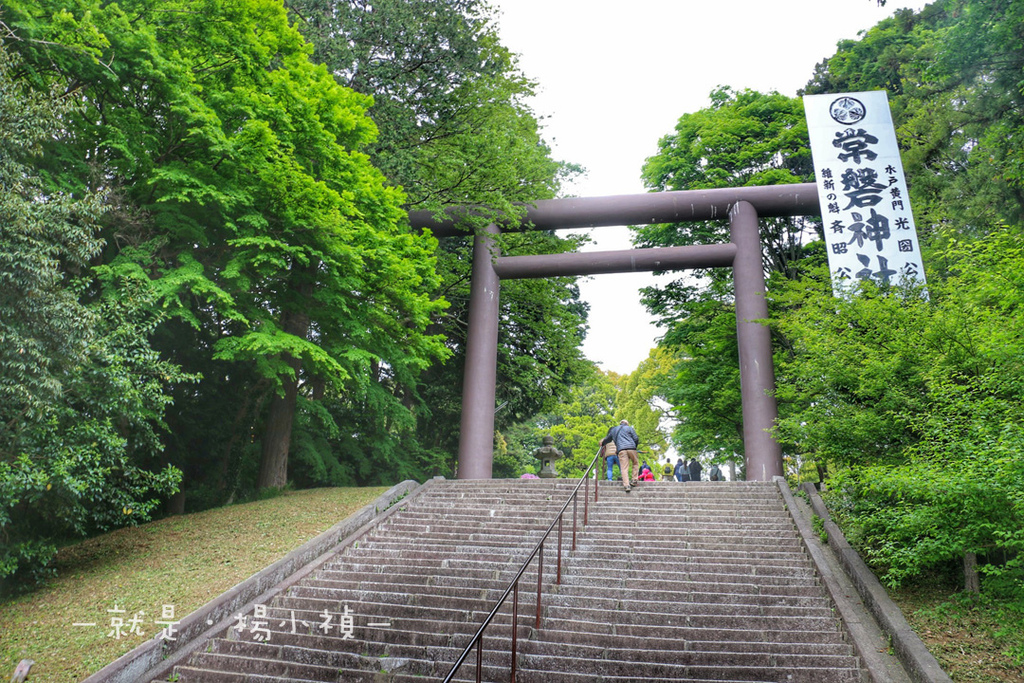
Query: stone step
{"points": [[639, 602], [495, 556], [192, 674], [586, 556], [587, 544], [312, 599], [664, 636], [626, 615], [333, 655], [696, 657], [696, 582], [684, 565], [586, 551], [287, 661], [666, 671], [697, 615], [468, 568], [705, 519], [431, 636], [680, 591], [622, 556], [430, 531], [284, 668], [527, 675]]}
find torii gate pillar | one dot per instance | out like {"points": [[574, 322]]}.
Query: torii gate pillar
{"points": [[757, 371], [479, 384]]}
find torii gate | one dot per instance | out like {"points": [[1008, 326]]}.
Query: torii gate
{"points": [[741, 205]]}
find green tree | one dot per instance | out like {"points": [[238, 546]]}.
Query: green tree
{"points": [[952, 72], [82, 394], [578, 420], [449, 99]]}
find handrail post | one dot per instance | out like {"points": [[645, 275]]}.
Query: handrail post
{"points": [[540, 576], [515, 627], [558, 573], [479, 658], [586, 499], [575, 499]]}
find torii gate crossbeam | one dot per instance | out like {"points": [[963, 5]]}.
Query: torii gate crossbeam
{"points": [[742, 206]]}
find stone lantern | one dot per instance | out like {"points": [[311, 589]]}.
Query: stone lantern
{"points": [[548, 455]]}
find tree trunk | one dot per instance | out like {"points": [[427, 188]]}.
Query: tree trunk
{"points": [[972, 584], [277, 437], [176, 503]]}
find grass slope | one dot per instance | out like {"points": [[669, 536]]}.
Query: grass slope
{"points": [[182, 561], [977, 639]]}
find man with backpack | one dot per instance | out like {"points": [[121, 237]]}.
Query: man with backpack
{"points": [[626, 441]]}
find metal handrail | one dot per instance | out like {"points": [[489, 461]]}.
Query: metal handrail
{"points": [[513, 587]]}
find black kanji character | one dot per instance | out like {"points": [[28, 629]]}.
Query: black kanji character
{"points": [[878, 229], [855, 144], [862, 187], [883, 273]]}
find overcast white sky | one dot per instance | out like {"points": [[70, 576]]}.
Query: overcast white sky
{"points": [[614, 77]]}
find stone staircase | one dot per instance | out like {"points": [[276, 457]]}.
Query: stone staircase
{"points": [[693, 582]]}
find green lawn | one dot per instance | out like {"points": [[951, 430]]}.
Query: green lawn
{"points": [[975, 638], [182, 561]]}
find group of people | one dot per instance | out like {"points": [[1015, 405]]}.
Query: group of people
{"points": [[690, 471], [620, 448]]}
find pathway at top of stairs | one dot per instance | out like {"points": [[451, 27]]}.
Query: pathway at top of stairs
{"points": [[694, 582]]}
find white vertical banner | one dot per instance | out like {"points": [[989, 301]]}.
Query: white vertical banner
{"points": [[865, 208]]}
